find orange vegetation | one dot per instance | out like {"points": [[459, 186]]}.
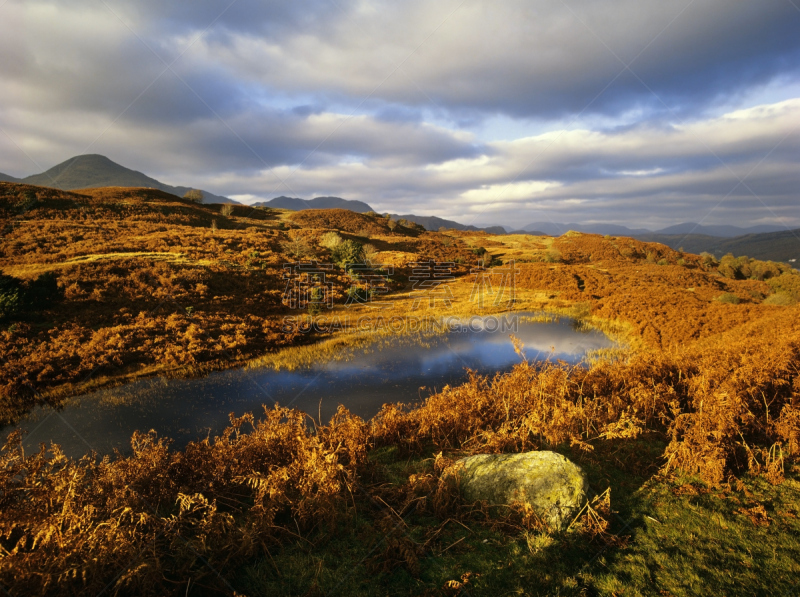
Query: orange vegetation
{"points": [[155, 283], [717, 381]]}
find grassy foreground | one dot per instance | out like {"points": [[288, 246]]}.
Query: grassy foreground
{"points": [[672, 539]]}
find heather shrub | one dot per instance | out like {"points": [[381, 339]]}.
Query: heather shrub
{"points": [[728, 298], [787, 283], [780, 299], [194, 195], [735, 268], [10, 297], [552, 256]]}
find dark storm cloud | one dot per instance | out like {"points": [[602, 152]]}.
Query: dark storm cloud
{"points": [[512, 58], [544, 62], [384, 101]]}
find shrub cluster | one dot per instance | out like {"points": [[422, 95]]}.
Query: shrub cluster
{"points": [[18, 297], [348, 252]]}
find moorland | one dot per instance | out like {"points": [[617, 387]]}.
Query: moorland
{"points": [[689, 432]]}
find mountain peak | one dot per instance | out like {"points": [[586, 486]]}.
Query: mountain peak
{"points": [[93, 170], [89, 171]]}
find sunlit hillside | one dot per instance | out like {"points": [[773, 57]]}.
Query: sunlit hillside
{"points": [[700, 404]]}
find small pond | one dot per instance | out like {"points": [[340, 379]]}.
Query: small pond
{"points": [[400, 369]]}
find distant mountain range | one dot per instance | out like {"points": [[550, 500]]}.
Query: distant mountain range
{"points": [[556, 229], [428, 222], [296, 204], [768, 242], [773, 246], [92, 171], [434, 223], [762, 242]]}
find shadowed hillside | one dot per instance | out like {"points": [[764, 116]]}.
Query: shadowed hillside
{"points": [[296, 204], [774, 246]]}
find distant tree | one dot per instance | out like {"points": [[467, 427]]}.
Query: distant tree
{"points": [[227, 209], [297, 247], [348, 251], [195, 195], [708, 259], [411, 225], [370, 252], [330, 240]]}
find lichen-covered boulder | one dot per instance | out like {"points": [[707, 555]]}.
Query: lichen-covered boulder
{"points": [[554, 486]]}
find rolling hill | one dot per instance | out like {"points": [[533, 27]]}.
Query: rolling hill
{"points": [[557, 229], [772, 246], [431, 223], [715, 230], [93, 171]]}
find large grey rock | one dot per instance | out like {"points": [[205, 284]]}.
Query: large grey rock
{"points": [[554, 486]]}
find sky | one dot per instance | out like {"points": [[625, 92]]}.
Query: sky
{"points": [[636, 112]]}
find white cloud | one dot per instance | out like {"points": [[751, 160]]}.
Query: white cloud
{"points": [[509, 192]]}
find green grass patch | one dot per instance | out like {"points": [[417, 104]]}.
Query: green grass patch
{"points": [[680, 538]]}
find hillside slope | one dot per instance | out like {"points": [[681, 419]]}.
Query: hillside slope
{"points": [[94, 171], [686, 228], [773, 246]]}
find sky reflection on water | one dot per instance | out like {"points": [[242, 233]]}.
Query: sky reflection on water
{"points": [[403, 370]]}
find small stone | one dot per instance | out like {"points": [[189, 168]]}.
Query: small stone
{"points": [[551, 484]]}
